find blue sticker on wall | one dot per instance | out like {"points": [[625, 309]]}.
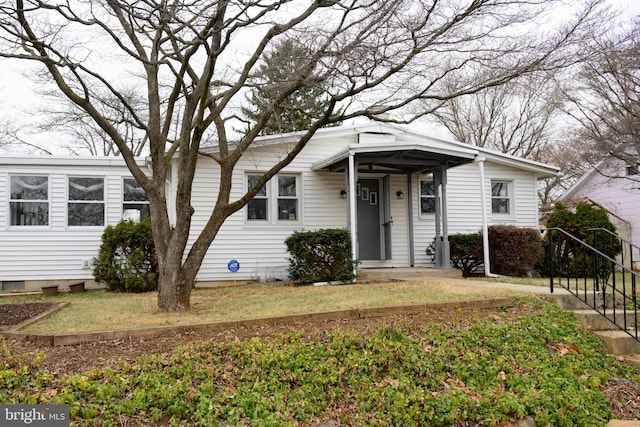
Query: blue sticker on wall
{"points": [[233, 266]]}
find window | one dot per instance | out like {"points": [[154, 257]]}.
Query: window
{"points": [[29, 200], [632, 170], [287, 201], [257, 207], [135, 206], [427, 196], [85, 201], [500, 197], [283, 207]]}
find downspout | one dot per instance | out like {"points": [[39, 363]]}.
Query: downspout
{"points": [[483, 209]]}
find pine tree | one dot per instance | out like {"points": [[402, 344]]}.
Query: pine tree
{"points": [[298, 111]]}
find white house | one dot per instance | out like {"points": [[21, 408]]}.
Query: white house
{"points": [[614, 186], [395, 188]]}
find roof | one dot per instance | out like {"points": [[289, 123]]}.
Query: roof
{"points": [[582, 180], [385, 147], [396, 157], [414, 151], [46, 160]]}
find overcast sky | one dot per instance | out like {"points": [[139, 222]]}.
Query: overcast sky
{"points": [[19, 102]]}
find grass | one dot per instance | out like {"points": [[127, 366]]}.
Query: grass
{"points": [[541, 364], [579, 283], [97, 311]]}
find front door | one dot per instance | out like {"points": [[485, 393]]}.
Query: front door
{"points": [[369, 223]]}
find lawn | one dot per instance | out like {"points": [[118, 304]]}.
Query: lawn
{"points": [[97, 311]]}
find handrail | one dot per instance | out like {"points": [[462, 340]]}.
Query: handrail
{"points": [[631, 245], [589, 262]]}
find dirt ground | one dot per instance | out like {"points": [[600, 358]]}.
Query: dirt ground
{"points": [[69, 360]]}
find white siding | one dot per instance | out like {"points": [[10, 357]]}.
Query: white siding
{"points": [[464, 204], [259, 247], [55, 252]]}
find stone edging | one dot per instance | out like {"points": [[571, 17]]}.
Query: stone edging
{"points": [[357, 313]]}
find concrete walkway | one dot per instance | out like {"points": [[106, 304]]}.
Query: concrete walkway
{"points": [[449, 276]]}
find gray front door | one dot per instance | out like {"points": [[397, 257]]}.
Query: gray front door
{"points": [[369, 224]]}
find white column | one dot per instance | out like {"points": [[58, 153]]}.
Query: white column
{"points": [[351, 191], [446, 253]]}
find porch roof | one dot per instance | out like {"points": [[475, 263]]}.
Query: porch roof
{"points": [[397, 157]]}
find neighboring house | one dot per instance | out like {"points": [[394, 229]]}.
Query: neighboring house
{"points": [[613, 186], [399, 188]]}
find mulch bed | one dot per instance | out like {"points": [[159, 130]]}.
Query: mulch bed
{"points": [[14, 314], [623, 394]]}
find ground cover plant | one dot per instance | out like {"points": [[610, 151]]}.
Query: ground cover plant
{"points": [[540, 364]]}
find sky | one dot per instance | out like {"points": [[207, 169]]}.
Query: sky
{"points": [[19, 102]]}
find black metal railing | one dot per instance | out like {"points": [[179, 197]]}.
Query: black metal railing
{"points": [[608, 239], [594, 276]]}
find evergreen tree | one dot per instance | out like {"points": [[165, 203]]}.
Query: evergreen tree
{"points": [[289, 60]]}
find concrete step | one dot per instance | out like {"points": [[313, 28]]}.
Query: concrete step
{"points": [[571, 302], [618, 342], [623, 423], [595, 321], [631, 359]]}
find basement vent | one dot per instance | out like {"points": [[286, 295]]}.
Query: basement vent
{"points": [[13, 285]]}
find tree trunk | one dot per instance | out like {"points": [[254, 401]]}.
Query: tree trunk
{"points": [[172, 295]]}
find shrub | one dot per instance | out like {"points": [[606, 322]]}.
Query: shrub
{"points": [[466, 252], [514, 251], [323, 255], [127, 260], [573, 259]]}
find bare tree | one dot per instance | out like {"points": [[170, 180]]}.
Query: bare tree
{"points": [[606, 102], [513, 118], [568, 156], [191, 60], [12, 137], [86, 136]]}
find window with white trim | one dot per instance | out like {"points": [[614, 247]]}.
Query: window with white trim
{"points": [[277, 201], [135, 205], [85, 201], [257, 207], [29, 200], [287, 198], [500, 197], [427, 195]]}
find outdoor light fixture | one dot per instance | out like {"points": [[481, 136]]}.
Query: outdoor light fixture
{"points": [[399, 194], [343, 194]]}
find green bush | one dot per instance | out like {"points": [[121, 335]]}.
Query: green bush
{"points": [[323, 255], [514, 251], [127, 260], [466, 252], [572, 259]]}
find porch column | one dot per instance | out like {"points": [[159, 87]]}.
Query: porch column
{"points": [[412, 249], [446, 253], [442, 259], [438, 217], [351, 193]]}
